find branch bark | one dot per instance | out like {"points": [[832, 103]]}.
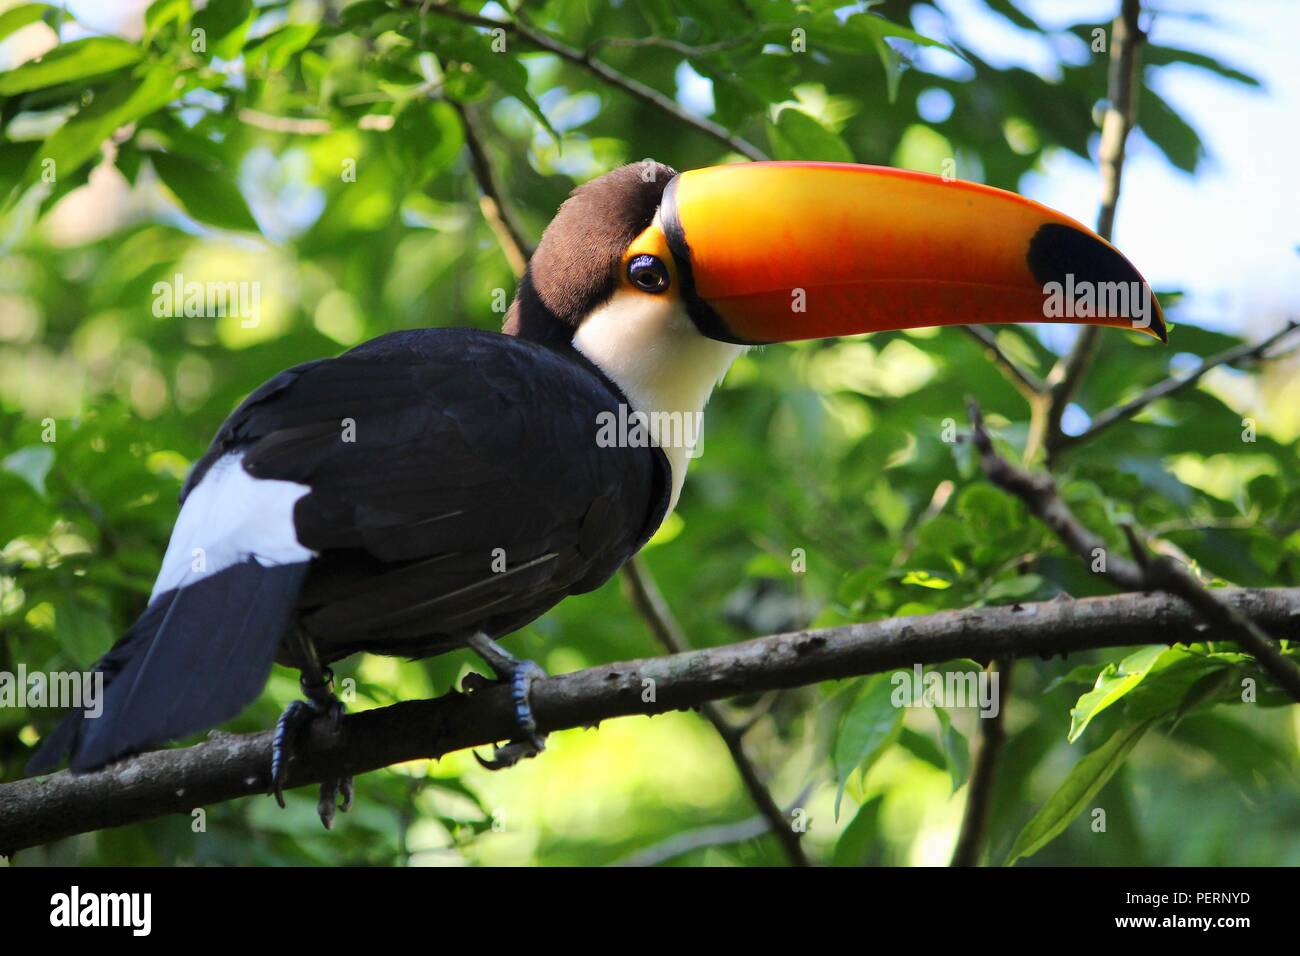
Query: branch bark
{"points": [[648, 601], [225, 767], [635, 88], [509, 234], [1146, 573], [1245, 352], [979, 796], [1026, 382]]}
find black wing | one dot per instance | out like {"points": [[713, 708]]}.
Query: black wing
{"points": [[456, 485]]}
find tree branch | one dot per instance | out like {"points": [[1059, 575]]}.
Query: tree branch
{"points": [[725, 834], [509, 234], [225, 767], [1126, 38], [648, 601], [1245, 352], [979, 796], [647, 94], [1025, 381], [1147, 573]]}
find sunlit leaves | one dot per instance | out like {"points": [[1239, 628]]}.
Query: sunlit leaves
{"points": [[31, 464], [76, 60], [15, 18], [869, 725], [81, 138], [956, 750], [1082, 783], [796, 135], [225, 25], [209, 195]]}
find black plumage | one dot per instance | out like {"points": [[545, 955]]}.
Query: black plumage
{"points": [[455, 486], [473, 496]]}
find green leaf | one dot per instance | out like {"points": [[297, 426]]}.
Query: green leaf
{"points": [[209, 195], [1009, 10], [926, 579], [1172, 134], [507, 72], [1013, 589], [272, 53], [878, 29], [796, 135], [1165, 55], [955, 748], [124, 102], [1239, 749], [867, 728], [82, 630], [163, 12], [1087, 777], [225, 24], [922, 748], [1113, 683], [71, 61], [427, 138], [32, 464], [862, 833], [16, 18]]}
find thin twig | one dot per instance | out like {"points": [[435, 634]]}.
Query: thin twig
{"points": [[648, 601], [1126, 38], [1245, 352], [296, 126], [1148, 573], [979, 796], [666, 44], [228, 766], [726, 834], [510, 236], [1025, 381], [647, 94]]}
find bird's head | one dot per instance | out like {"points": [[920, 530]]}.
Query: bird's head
{"points": [[757, 253], [661, 278]]}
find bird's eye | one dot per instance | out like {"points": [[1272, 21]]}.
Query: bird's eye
{"points": [[648, 274]]}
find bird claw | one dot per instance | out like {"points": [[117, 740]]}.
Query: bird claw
{"points": [[509, 754], [295, 719], [296, 716], [474, 681], [330, 791], [521, 675]]}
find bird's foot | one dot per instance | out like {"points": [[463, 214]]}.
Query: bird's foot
{"points": [[520, 675], [299, 715]]}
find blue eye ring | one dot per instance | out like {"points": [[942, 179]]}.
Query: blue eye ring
{"points": [[649, 274]]}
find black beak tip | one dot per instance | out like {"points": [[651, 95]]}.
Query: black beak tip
{"points": [[1062, 254]]}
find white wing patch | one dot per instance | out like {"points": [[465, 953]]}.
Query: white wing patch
{"points": [[228, 517]]}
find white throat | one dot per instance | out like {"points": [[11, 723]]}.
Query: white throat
{"points": [[650, 349]]}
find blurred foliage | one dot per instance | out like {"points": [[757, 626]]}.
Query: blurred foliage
{"points": [[313, 148]]}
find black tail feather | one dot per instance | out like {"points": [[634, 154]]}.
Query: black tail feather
{"points": [[195, 658]]}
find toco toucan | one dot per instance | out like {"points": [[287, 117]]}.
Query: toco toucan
{"points": [[439, 488]]}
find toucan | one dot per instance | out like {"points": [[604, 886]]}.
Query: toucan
{"points": [[440, 488]]}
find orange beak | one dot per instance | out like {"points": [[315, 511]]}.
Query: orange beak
{"points": [[774, 252]]}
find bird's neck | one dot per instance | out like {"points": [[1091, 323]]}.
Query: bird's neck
{"points": [[650, 349]]}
